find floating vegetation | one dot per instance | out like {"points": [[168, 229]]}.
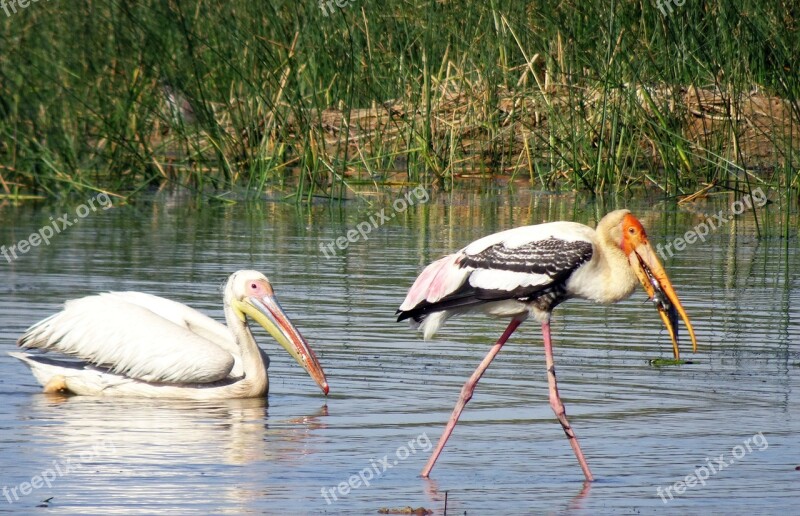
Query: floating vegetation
{"points": [[666, 362]]}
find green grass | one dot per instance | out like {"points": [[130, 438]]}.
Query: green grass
{"points": [[567, 95]]}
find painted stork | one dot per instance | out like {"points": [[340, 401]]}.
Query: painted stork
{"points": [[136, 344], [528, 271]]}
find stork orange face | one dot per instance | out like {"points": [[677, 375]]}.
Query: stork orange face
{"points": [[654, 279]]}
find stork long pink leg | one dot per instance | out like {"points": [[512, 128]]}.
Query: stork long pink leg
{"points": [[466, 395], [557, 405]]}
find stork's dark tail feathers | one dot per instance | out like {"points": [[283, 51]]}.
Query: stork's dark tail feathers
{"points": [[465, 298]]}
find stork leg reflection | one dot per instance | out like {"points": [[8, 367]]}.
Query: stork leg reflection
{"points": [[556, 403]]}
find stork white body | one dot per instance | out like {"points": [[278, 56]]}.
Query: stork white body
{"points": [[594, 270]]}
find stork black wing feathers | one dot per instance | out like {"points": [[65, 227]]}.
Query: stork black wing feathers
{"points": [[552, 257]]}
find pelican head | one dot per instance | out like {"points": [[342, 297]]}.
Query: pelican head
{"points": [[249, 293], [631, 237]]}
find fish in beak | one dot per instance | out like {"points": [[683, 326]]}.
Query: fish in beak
{"points": [[653, 277], [266, 311]]}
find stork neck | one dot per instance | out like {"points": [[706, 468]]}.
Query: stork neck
{"points": [[608, 278], [618, 275]]}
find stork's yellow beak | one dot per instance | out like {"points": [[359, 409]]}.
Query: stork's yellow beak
{"points": [[654, 279]]}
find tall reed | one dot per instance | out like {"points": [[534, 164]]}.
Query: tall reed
{"points": [[307, 99]]}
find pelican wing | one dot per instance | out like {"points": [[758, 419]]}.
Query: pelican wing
{"points": [[184, 316], [130, 339]]}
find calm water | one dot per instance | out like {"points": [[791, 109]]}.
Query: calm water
{"points": [[640, 426]]}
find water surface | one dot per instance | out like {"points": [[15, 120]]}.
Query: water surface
{"points": [[641, 427]]}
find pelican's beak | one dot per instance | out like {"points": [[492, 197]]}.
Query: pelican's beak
{"points": [[654, 279], [267, 312]]}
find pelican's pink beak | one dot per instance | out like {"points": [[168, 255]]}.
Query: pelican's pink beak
{"points": [[269, 314], [653, 277]]}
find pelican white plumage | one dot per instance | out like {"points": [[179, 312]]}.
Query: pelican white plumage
{"points": [[136, 344]]}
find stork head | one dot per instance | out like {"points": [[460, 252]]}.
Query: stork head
{"points": [[629, 234], [250, 294]]}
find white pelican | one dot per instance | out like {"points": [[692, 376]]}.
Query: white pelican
{"points": [[135, 344], [528, 271]]}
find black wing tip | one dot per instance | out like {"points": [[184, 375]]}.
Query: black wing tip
{"points": [[402, 315], [417, 314]]}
